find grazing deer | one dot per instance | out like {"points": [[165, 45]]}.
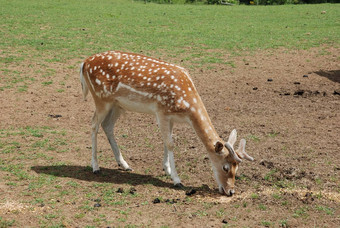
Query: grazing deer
{"points": [[121, 81]]}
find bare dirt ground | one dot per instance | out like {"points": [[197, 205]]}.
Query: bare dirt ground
{"points": [[285, 103]]}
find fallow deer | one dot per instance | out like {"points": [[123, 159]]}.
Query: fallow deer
{"points": [[121, 81]]}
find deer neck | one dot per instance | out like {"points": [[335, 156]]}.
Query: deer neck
{"points": [[203, 127]]}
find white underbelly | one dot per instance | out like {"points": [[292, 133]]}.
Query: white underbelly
{"points": [[137, 106], [149, 107]]}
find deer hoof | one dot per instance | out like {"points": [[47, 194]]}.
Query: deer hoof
{"points": [[97, 172], [179, 185]]}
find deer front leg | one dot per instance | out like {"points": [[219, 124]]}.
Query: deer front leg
{"points": [[166, 161], [165, 126], [174, 175]]}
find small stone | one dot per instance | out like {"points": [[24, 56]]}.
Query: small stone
{"points": [[120, 190], [175, 201], [190, 192], [267, 164], [157, 200], [299, 93], [54, 116], [132, 191], [171, 201]]}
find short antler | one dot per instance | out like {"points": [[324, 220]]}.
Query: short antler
{"points": [[240, 152]]}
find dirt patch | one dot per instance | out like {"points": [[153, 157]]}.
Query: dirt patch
{"points": [[285, 103]]}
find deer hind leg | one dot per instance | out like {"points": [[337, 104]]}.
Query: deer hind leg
{"points": [[108, 127], [97, 119], [165, 126]]}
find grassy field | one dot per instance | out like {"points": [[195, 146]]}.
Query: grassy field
{"points": [[59, 30], [45, 179]]}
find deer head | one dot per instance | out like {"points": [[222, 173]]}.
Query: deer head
{"points": [[226, 162]]}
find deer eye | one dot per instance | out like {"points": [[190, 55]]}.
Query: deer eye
{"points": [[226, 168]]}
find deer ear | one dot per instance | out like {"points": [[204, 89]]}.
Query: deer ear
{"points": [[218, 147]]}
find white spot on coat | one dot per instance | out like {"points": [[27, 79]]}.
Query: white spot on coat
{"points": [[186, 104]]}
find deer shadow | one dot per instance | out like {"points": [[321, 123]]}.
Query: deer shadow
{"points": [[333, 75], [115, 176]]}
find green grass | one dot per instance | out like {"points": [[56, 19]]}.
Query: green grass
{"points": [[327, 210], [54, 32], [40, 143], [301, 212], [266, 223], [6, 223], [254, 196], [254, 138], [59, 30]]}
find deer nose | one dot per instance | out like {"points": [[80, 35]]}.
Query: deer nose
{"points": [[230, 192]]}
